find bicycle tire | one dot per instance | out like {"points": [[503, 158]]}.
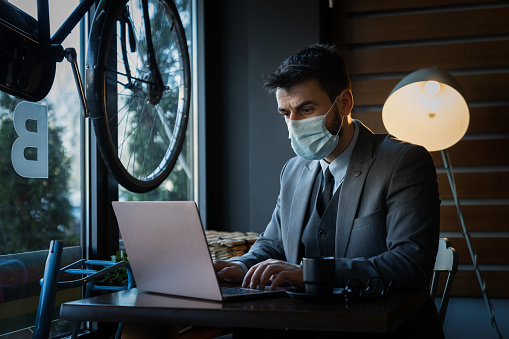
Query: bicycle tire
{"points": [[139, 140]]}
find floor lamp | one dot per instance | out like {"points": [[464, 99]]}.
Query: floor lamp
{"points": [[428, 108]]}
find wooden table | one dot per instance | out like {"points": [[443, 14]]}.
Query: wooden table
{"points": [[147, 309]]}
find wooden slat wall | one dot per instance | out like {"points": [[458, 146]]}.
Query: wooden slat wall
{"points": [[383, 41]]}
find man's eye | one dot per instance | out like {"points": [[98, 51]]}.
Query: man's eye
{"points": [[307, 111]]}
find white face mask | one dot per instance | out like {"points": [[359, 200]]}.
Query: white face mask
{"points": [[310, 138]]}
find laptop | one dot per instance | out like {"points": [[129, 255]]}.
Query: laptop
{"points": [[168, 251]]}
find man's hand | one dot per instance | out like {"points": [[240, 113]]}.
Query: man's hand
{"points": [[273, 272], [228, 271]]}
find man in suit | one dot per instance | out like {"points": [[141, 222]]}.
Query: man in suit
{"points": [[383, 217]]}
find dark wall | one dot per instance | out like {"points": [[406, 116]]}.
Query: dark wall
{"points": [[247, 141]]}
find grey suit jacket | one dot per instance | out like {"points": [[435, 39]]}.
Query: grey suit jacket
{"points": [[388, 215]]}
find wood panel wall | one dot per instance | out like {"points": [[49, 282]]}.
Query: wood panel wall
{"points": [[383, 41]]}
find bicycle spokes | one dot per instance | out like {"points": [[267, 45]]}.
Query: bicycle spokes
{"points": [[145, 93]]}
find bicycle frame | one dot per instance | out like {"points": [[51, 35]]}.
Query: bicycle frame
{"points": [[32, 75], [28, 52], [66, 28]]}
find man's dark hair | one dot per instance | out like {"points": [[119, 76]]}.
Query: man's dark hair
{"points": [[319, 62]]}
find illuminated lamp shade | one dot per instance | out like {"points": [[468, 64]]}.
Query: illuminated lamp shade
{"points": [[427, 108]]}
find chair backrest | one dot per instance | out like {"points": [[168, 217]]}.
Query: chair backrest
{"points": [[48, 290], [446, 261]]}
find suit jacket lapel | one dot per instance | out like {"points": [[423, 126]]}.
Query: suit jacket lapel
{"points": [[360, 163], [300, 203]]}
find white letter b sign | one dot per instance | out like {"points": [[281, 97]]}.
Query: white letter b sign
{"points": [[36, 138]]}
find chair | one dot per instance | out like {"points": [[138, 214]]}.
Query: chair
{"points": [[50, 284], [446, 261]]}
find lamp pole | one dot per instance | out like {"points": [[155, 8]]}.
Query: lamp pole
{"points": [[466, 234], [427, 102]]}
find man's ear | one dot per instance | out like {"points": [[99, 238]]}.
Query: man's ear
{"points": [[346, 102]]}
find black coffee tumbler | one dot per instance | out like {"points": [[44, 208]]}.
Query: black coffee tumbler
{"points": [[318, 275]]}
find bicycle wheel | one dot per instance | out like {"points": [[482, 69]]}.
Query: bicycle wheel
{"points": [[139, 105]]}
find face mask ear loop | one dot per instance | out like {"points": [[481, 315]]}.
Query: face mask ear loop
{"points": [[340, 126], [342, 118], [331, 107]]}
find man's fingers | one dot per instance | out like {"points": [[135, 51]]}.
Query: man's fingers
{"points": [[220, 264], [226, 274], [278, 279], [255, 277], [269, 274], [274, 271], [228, 271], [260, 274], [250, 277], [247, 277]]}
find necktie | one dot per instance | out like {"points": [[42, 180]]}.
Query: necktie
{"points": [[328, 187]]}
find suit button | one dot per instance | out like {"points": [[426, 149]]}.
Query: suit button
{"points": [[322, 233], [358, 173]]}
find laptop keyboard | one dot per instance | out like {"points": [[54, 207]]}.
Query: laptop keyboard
{"points": [[226, 291]]}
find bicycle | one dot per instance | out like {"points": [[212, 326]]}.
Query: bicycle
{"points": [[137, 79]]}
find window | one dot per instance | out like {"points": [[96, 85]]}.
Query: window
{"points": [[34, 211], [180, 183]]}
